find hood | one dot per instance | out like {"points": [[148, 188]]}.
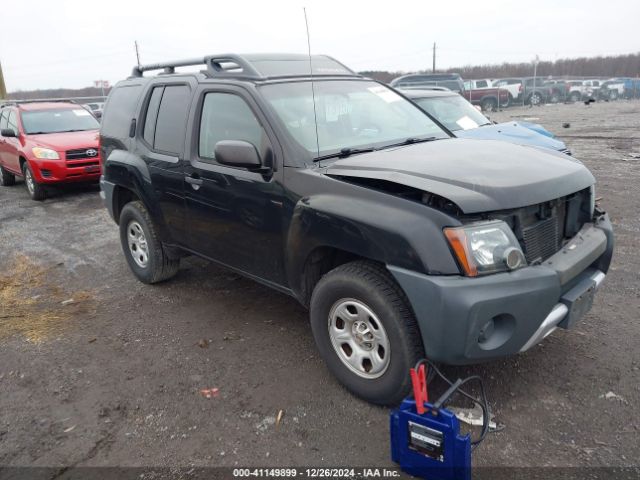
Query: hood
{"points": [[513, 132], [61, 142], [478, 176]]}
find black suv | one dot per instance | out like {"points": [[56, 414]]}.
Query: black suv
{"points": [[401, 240]]}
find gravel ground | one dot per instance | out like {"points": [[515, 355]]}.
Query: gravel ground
{"points": [[97, 369]]}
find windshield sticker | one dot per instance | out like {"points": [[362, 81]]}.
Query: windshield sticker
{"points": [[81, 113], [466, 123], [385, 94], [335, 106]]}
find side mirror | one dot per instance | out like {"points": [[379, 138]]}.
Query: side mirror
{"points": [[8, 132], [237, 153]]}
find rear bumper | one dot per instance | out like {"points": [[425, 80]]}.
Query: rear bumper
{"points": [[467, 320], [61, 171]]}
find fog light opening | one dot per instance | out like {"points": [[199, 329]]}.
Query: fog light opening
{"points": [[496, 332]]}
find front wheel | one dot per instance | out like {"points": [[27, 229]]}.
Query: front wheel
{"points": [[36, 191], [365, 331], [141, 245]]}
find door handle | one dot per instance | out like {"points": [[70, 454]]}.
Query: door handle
{"points": [[196, 183]]}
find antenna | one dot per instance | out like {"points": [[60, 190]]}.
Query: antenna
{"points": [[313, 91], [137, 53]]}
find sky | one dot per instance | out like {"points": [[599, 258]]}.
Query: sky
{"points": [[72, 43]]}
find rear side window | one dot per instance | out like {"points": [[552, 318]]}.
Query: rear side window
{"points": [[152, 115], [172, 119], [12, 122], [3, 119], [120, 109]]}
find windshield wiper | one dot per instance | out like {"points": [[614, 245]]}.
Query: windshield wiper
{"points": [[410, 141], [344, 152]]}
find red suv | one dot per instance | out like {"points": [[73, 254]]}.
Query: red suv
{"points": [[48, 143]]}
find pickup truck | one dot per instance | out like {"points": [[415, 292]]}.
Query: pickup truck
{"points": [[512, 85], [480, 92], [401, 240]]}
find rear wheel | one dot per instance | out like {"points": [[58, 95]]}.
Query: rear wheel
{"points": [[36, 191], [365, 331], [576, 96], [535, 98], [613, 95], [142, 248], [6, 179], [489, 104]]}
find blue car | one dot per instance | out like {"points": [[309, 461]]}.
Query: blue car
{"points": [[465, 121]]}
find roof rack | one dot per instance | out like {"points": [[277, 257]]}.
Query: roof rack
{"points": [[254, 66], [217, 65]]}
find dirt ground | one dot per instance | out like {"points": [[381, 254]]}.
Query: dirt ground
{"points": [[97, 369]]}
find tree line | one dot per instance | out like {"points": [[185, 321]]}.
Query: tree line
{"points": [[604, 66]]}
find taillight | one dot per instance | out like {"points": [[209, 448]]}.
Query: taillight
{"points": [[520, 88]]}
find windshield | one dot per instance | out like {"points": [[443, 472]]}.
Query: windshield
{"points": [[350, 115], [453, 112], [58, 120]]}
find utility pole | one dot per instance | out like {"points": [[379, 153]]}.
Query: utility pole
{"points": [[434, 57], [3, 88], [137, 52]]}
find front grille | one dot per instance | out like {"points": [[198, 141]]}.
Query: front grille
{"points": [[79, 153], [541, 240]]}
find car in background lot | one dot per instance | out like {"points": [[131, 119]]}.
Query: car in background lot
{"points": [[48, 143], [611, 90], [95, 108], [511, 85], [452, 81], [464, 120], [533, 91], [479, 92]]}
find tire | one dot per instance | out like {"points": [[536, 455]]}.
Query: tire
{"points": [[366, 288], [489, 105], [576, 97], [507, 102], [555, 98], [613, 95], [6, 179], [535, 99], [36, 190], [141, 245]]}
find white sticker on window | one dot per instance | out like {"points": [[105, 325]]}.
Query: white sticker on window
{"points": [[385, 94], [466, 123], [335, 106], [81, 113]]}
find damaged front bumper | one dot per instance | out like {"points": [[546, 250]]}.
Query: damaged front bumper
{"points": [[466, 320]]}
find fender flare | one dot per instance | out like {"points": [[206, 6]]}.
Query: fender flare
{"points": [[394, 232]]}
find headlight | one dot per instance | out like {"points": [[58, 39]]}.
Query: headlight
{"points": [[485, 247], [45, 153]]}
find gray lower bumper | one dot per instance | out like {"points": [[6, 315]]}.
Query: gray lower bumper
{"points": [[466, 320]]}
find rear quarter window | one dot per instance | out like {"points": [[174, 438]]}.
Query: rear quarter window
{"points": [[119, 110]]}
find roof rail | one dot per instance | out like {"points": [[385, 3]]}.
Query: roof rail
{"points": [[8, 102], [217, 65]]}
